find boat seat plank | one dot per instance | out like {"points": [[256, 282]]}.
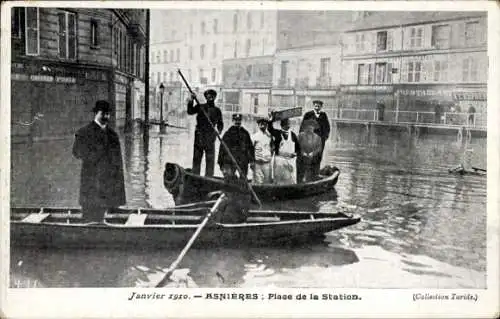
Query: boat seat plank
{"points": [[136, 220], [262, 219], [35, 218]]}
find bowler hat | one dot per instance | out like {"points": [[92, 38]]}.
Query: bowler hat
{"points": [[237, 117], [318, 102], [101, 105], [211, 92]]}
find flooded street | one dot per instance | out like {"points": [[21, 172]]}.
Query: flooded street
{"points": [[421, 227]]}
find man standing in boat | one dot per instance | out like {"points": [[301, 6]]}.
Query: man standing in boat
{"points": [[102, 184], [310, 149], [238, 140], [323, 129], [285, 147], [204, 135], [262, 144]]}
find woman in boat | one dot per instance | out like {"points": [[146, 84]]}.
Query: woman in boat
{"points": [[285, 147]]}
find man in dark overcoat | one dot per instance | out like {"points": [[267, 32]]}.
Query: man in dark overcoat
{"points": [[238, 140], [204, 134], [102, 184], [323, 129]]}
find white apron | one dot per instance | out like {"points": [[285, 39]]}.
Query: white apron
{"points": [[285, 171]]}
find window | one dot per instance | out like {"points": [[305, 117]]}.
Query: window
{"points": [[137, 59], [381, 41], [360, 42], [123, 43], [249, 21], [284, 70], [118, 53], [235, 22], [158, 60], [472, 33], [171, 77], [190, 53], [164, 77], [202, 27], [440, 36], [262, 19], [362, 74], [67, 35], [416, 35], [17, 22], [214, 73], [174, 33], [383, 73], [324, 67], [248, 47], [94, 31], [469, 70], [172, 58], [414, 71], [255, 99], [158, 77], [165, 56], [178, 54], [235, 53], [202, 51], [191, 30], [440, 71], [203, 79], [32, 21], [249, 71], [190, 75], [214, 50], [216, 26]]}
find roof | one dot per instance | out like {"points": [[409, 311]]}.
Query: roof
{"points": [[396, 18]]}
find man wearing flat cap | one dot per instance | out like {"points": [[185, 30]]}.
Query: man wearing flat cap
{"points": [[204, 134], [238, 140], [322, 129], [102, 185]]}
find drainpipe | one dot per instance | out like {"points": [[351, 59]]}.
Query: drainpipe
{"points": [[400, 71]]}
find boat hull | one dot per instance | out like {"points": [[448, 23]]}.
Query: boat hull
{"points": [[187, 187]]}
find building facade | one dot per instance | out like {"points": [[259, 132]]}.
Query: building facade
{"points": [[417, 62], [64, 60]]}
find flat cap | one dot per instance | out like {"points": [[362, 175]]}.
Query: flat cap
{"points": [[237, 116], [318, 102]]}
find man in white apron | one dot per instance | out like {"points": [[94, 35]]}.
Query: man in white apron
{"points": [[286, 147]]}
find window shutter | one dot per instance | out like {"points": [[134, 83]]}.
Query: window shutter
{"points": [[390, 40], [389, 73], [71, 36], [461, 35]]}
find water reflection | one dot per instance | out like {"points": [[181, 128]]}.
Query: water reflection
{"points": [[422, 227]]}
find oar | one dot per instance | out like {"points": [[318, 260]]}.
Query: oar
{"points": [[184, 251], [226, 148], [478, 169]]}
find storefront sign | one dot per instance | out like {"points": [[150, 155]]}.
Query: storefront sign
{"points": [[425, 92], [19, 77], [96, 75], [42, 78], [469, 96], [282, 92], [367, 89], [62, 79]]}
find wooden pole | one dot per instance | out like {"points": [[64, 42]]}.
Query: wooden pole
{"points": [[184, 251]]}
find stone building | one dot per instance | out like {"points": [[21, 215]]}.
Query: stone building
{"points": [[64, 60], [417, 61]]}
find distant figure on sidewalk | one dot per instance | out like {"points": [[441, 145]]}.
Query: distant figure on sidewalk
{"points": [[204, 134], [381, 110], [438, 113], [238, 140], [102, 184], [472, 115], [322, 130], [262, 144]]}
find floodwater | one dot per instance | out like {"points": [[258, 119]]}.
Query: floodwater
{"points": [[421, 227]]}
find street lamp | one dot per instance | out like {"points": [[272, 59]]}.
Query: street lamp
{"points": [[162, 123]]}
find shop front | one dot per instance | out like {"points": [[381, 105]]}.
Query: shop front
{"points": [[52, 100], [360, 101]]}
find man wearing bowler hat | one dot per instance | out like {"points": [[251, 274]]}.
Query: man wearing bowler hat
{"points": [[322, 129], [238, 140], [102, 185], [204, 134]]}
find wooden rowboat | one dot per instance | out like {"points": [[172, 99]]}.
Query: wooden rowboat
{"points": [[155, 228], [187, 187]]}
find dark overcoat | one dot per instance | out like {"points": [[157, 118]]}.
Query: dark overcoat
{"points": [[240, 144], [101, 180], [323, 129]]}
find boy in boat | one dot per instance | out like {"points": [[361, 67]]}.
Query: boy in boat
{"points": [[323, 129], [285, 147], [102, 184], [262, 144], [310, 149], [204, 135], [238, 140]]}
